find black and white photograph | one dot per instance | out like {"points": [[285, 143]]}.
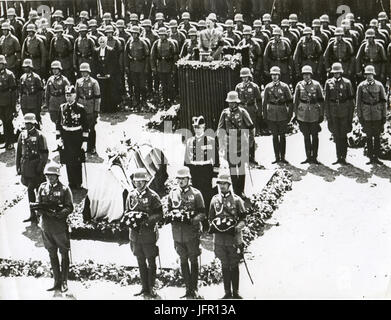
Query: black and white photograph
{"points": [[204, 150]]}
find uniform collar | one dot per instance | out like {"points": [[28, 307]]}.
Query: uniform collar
{"points": [[142, 193], [52, 186], [307, 83], [371, 82], [186, 189], [276, 83], [226, 195]]}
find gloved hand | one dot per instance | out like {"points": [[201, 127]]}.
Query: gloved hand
{"points": [[84, 146], [60, 143], [321, 118]]}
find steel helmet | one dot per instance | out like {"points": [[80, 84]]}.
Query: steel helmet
{"points": [[212, 16], [2, 59], [229, 23], [293, 17], [27, 63], [140, 174], [307, 30], [31, 27], [120, 23], [83, 14], [381, 16], [370, 70], [277, 32], [82, 27], [245, 72], [109, 29], [306, 69], [58, 28], [173, 24], [374, 23], [146, 23], [336, 68], [201, 23], [192, 32], [285, 23], [92, 23], [56, 65], [339, 32], [159, 16], [52, 169], [315, 23], [185, 16], [224, 178], [29, 118], [247, 31], [6, 26], [370, 33], [162, 31], [135, 29], [183, 172], [324, 18], [11, 12], [33, 14], [349, 16], [232, 96], [266, 17], [85, 67], [238, 17], [257, 23], [275, 70], [58, 14], [106, 16], [133, 17], [69, 21]]}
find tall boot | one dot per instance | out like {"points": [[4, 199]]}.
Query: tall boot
{"points": [[370, 149], [186, 277], [152, 277], [315, 147], [227, 283], [143, 269], [31, 196], [194, 278], [276, 147], [307, 146], [282, 148], [64, 271], [56, 272], [376, 150], [235, 282]]}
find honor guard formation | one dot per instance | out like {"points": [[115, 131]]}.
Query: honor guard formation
{"points": [[81, 65]]}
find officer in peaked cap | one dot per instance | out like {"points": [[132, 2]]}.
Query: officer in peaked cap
{"points": [[56, 203], [188, 200], [228, 243], [31, 157], [143, 240]]}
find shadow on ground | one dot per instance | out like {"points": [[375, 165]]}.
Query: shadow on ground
{"points": [[33, 232]]}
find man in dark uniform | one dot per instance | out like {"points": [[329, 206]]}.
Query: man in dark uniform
{"points": [[31, 91], [88, 95], [152, 36], [230, 33], [61, 49], [33, 17], [236, 136], [69, 28], [190, 49], [228, 242], [72, 136], [163, 57], [57, 18], [46, 35], [10, 48], [55, 90], [31, 157], [136, 66], [93, 31], [83, 49], [187, 200], [371, 112], [143, 240], [309, 112], [15, 23], [34, 48], [7, 102], [339, 107], [55, 204], [202, 158], [121, 33], [277, 111], [250, 97]]}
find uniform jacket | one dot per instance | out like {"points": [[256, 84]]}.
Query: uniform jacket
{"points": [[136, 56], [371, 101], [88, 94], [229, 205], [163, 56], [339, 97], [7, 89], [371, 54], [190, 200], [10, 47], [83, 51], [307, 53], [189, 48], [55, 92], [61, 49], [339, 51], [277, 54], [72, 117], [249, 93], [31, 153], [277, 102], [308, 101], [61, 196], [256, 53], [31, 88], [149, 202], [34, 48]]}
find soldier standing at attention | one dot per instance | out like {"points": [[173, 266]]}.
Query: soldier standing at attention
{"points": [[277, 111], [339, 107], [236, 137], [88, 95], [7, 101], [186, 234], [228, 242], [56, 203], [31, 157], [31, 91], [309, 112], [371, 111], [34, 48], [83, 49], [10, 48], [143, 240], [55, 90], [72, 136]]}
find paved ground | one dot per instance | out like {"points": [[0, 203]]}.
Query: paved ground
{"points": [[333, 240]]}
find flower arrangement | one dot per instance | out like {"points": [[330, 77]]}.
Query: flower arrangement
{"points": [[157, 120], [178, 215], [222, 224], [229, 61], [134, 219]]}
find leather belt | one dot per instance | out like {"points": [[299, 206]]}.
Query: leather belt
{"points": [[370, 103], [71, 128]]}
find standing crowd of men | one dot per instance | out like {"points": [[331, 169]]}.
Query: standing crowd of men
{"points": [[78, 69]]}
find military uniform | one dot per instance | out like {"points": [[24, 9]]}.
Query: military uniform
{"points": [[233, 121], [72, 128], [371, 111], [55, 95], [256, 48], [18, 26], [31, 91], [54, 226], [152, 84], [308, 52], [228, 205], [340, 51], [7, 103], [187, 234], [88, 95], [163, 57], [277, 111], [339, 107], [61, 49], [10, 48], [34, 49], [143, 241], [118, 84], [278, 53], [190, 49], [372, 54], [136, 65], [31, 157], [83, 52], [309, 112]]}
